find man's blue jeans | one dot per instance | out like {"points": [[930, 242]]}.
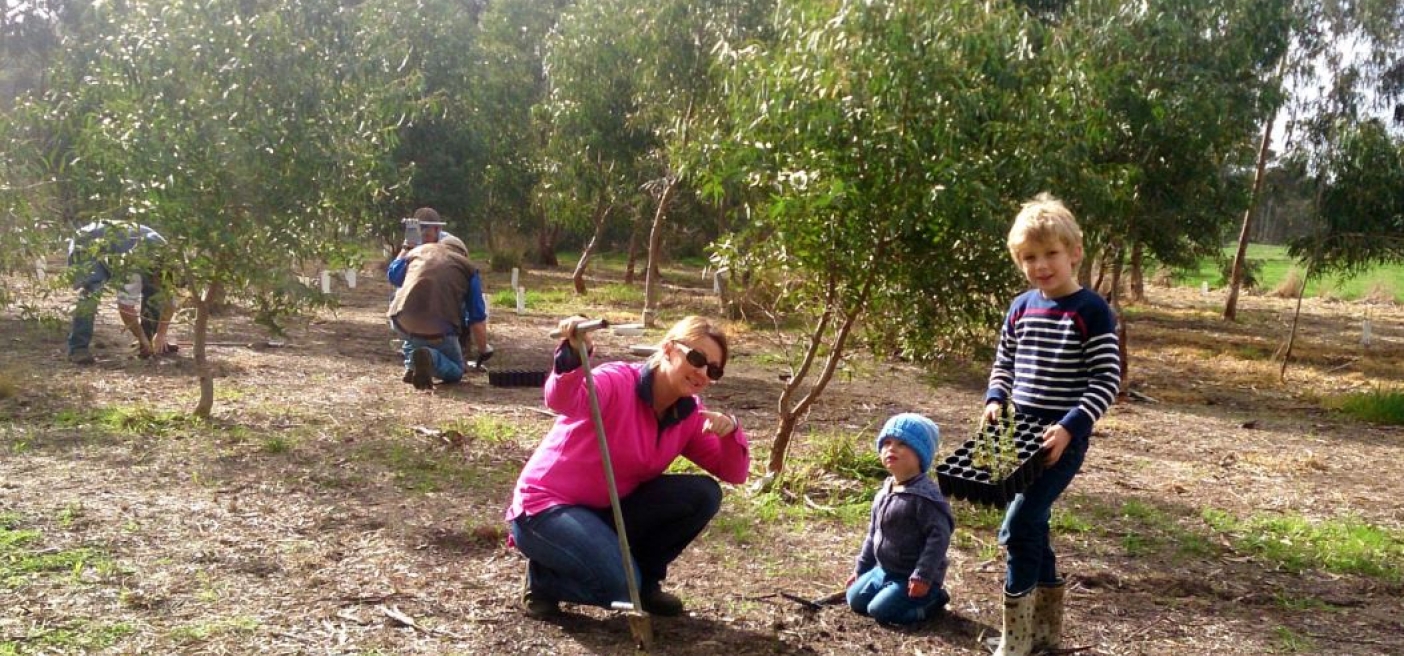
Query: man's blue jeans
{"points": [[80, 336], [884, 598], [574, 552], [448, 355], [1025, 532]]}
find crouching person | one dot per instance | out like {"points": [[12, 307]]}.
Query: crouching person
{"points": [[427, 310], [901, 570]]}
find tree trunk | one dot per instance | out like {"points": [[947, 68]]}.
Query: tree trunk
{"points": [[601, 212], [546, 245], [633, 250], [1138, 273], [489, 238], [1120, 323], [202, 364], [1292, 336], [791, 411], [1236, 278], [655, 241]]}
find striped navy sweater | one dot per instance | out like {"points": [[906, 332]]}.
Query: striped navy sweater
{"points": [[1058, 359]]}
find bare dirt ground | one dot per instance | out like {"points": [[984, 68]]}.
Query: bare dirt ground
{"points": [[328, 498]]}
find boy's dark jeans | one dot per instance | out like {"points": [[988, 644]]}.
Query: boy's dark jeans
{"points": [[1025, 532]]}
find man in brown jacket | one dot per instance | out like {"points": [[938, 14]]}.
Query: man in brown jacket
{"points": [[427, 311]]}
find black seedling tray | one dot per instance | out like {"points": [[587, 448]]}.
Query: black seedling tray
{"points": [[517, 378], [959, 478]]}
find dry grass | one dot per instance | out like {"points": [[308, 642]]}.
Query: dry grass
{"points": [[327, 492]]}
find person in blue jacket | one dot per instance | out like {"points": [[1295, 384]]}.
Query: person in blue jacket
{"points": [[431, 230]]}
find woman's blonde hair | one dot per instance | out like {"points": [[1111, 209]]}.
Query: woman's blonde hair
{"points": [[690, 329], [1042, 220]]}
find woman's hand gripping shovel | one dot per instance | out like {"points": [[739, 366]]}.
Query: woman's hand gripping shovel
{"points": [[640, 625]]}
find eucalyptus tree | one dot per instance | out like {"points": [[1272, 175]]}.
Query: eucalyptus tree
{"points": [[508, 82], [596, 146], [886, 145], [1345, 63], [250, 134], [32, 211], [681, 94], [1174, 90], [629, 84], [1359, 212]]}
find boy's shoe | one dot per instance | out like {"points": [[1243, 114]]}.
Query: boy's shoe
{"points": [[81, 356], [658, 602], [422, 375], [408, 377]]}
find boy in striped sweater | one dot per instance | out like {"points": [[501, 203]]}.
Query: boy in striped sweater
{"points": [[1057, 360]]}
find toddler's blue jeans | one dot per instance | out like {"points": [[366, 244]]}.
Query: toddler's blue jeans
{"points": [[574, 552], [884, 598], [1025, 533]]}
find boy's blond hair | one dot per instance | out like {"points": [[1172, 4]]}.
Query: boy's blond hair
{"points": [[1042, 220]]}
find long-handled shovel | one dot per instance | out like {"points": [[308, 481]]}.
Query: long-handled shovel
{"points": [[640, 625]]}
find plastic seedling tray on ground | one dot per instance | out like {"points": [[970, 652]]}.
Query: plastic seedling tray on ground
{"points": [[517, 378], [960, 477]]}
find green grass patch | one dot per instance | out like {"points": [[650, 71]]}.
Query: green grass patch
{"points": [[417, 470], [1382, 405], [21, 562], [276, 444], [1343, 546], [548, 301], [201, 631], [1274, 266], [495, 430], [129, 420], [81, 637], [834, 475], [618, 294], [1290, 642]]}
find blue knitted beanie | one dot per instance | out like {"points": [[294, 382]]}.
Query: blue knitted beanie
{"points": [[918, 432]]}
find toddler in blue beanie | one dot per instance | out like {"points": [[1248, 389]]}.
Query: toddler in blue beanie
{"points": [[900, 574]]}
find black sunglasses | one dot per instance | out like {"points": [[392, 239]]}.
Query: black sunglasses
{"points": [[697, 359]]}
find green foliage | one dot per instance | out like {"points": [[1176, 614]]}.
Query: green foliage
{"points": [[1251, 276], [141, 420], [1382, 405], [1341, 545], [1362, 206], [252, 135]]}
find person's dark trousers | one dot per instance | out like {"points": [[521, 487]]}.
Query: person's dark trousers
{"points": [[1025, 531], [151, 307], [662, 517], [574, 551]]}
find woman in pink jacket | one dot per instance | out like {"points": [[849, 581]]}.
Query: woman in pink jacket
{"points": [[560, 514]]}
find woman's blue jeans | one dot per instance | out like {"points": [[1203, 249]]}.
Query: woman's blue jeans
{"points": [[574, 552], [884, 598], [1025, 532]]}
